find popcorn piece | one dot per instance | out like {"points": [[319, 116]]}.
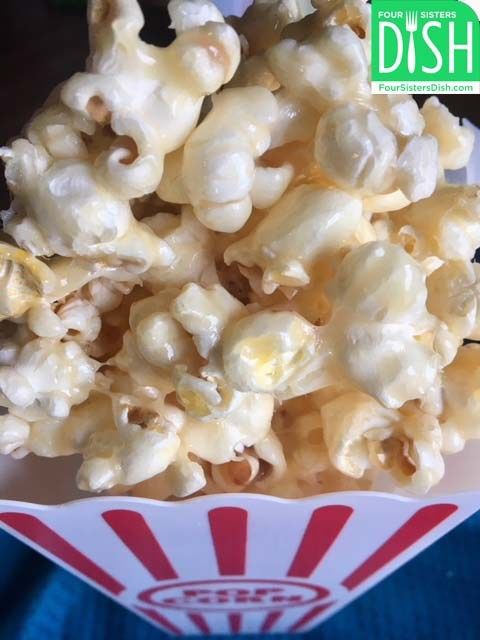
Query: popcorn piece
{"points": [[263, 351], [400, 113], [23, 280], [172, 187], [59, 131], [296, 120], [355, 150], [219, 157], [189, 14], [460, 418], [205, 313], [446, 225], [418, 168], [359, 432], [305, 225], [454, 297], [71, 214], [127, 456], [219, 441], [455, 142], [47, 378], [150, 97], [192, 245], [159, 338], [306, 68], [379, 311], [14, 433]]}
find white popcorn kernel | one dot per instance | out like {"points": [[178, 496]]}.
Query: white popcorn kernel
{"points": [[269, 184], [296, 120], [23, 281], [68, 205], [163, 89], [387, 362], [14, 433], [263, 351], [161, 340], [454, 141], [44, 322], [308, 223], [218, 441], [380, 282], [446, 225], [171, 187], [306, 68], [348, 422], [418, 167], [205, 313], [219, 157], [461, 383], [379, 296], [453, 296], [192, 246], [50, 375], [355, 150], [188, 14], [400, 113]]}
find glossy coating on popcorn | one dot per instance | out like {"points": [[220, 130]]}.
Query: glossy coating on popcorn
{"points": [[227, 266]]}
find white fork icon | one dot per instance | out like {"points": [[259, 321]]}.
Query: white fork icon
{"points": [[411, 24]]}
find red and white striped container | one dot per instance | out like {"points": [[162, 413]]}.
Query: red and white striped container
{"points": [[231, 563]]}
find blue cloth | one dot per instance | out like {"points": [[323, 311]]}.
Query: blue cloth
{"points": [[436, 596]]}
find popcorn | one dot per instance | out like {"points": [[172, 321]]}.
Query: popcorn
{"points": [[260, 288], [355, 150], [455, 142], [263, 351], [378, 313], [48, 378], [23, 280], [358, 152], [306, 68], [129, 455], [150, 97], [459, 419], [219, 158], [286, 246], [71, 214], [446, 225], [360, 433]]}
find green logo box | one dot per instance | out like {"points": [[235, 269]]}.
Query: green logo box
{"points": [[425, 43]]}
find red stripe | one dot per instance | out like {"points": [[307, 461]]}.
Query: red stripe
{"points": [[235, 621], [135, 533], [322, 530], [36, 531], [200, 622], [310, 615], [161, 620], [270, 621], [415, 528], [228, 526]]}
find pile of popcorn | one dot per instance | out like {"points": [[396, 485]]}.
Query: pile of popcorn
{"points": [[228, 266]]}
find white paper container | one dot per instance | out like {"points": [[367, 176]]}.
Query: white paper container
{"points": [[230, 563]]}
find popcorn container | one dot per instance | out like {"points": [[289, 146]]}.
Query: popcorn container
{"points": [[231, 563]]}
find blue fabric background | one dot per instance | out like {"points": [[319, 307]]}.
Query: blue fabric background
{"points": [[434, 597]]}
